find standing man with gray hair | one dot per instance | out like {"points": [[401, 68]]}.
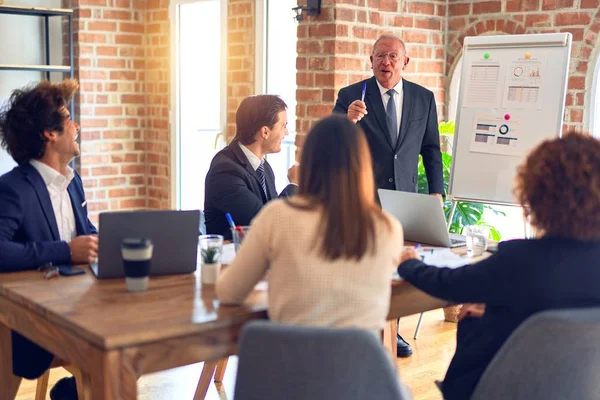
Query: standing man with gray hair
{"points": [[400, 121]]}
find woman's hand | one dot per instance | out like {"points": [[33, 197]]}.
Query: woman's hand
{"points": [[471, 310], [409, 253]]}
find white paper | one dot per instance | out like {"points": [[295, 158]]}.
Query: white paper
{"points": [[524, 84], [493, 134], [228, 254], [483, 85], [442, 258]]}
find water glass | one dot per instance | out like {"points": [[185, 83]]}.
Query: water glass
{"points": [[210, 248], [477, 239], [238, 234]]}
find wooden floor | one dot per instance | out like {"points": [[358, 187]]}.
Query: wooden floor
{"points": [[431, 355]]}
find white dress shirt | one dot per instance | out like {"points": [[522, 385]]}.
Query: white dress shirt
{"points": [[254, 161], [56, 183], [398, 98]]}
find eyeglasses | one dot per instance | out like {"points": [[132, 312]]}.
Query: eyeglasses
{"points": [[48, 271], [393, 56]]}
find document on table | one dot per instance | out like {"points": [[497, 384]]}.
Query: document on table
{"points": [[442, 258]]}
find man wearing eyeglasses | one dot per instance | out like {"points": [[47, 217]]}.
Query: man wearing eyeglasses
{"points": [[400, 121], [43, 211]]}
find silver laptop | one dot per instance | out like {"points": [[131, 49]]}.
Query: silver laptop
{"points": [[421, 216], [174, 235]]}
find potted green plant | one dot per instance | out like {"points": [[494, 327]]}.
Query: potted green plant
{"points": [[211, 265], [465, 213]]}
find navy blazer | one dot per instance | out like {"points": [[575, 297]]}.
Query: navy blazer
{"points": [[521, 279], [396, 168], [232, 186], [29, 234]]}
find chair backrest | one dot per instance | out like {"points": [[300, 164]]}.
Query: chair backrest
{"points": [[298, 363], [553, 355]]}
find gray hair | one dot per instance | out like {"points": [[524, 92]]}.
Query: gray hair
{"points": [[389, 36]]}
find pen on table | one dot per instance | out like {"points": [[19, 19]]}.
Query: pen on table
{"points": [[417, 246], [364, 90]]}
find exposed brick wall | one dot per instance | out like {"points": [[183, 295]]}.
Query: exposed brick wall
{"points": [[110, 65], [580, 17], [334, 49], [122, 62], [157, 134], [241, 25]]}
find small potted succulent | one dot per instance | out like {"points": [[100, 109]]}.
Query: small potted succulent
{"points": [[211, 247]]}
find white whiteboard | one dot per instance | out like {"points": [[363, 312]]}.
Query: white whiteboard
{"points": [[511, 97]]}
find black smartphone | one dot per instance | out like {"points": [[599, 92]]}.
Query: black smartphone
{"points": [[69, 270]]}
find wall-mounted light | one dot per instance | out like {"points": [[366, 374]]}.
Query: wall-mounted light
{"points": [[312, 7]]}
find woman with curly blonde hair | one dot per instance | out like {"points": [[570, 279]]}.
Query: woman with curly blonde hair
{"points": [[558, 186]]}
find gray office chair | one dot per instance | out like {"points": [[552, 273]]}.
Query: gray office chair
{"points": [[298, 363], [554, 355]]}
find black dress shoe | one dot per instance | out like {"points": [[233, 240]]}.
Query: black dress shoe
{"points": [[64, 389], [402, 350]]}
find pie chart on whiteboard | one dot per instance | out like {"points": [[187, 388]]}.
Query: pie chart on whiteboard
{"points": [[518, 71]]}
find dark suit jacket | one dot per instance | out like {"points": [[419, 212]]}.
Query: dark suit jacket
{"points": [[396, 168], [232, 186], [522, 278], [29, 234]]}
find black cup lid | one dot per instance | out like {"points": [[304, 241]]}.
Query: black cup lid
{"points": [[136, 243]]}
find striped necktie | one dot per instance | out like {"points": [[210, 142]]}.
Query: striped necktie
{"points": [[260, 171]]}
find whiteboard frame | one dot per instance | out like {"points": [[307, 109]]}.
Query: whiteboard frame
{"points": [[502, 41]]}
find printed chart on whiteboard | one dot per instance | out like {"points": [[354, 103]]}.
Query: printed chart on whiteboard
{"points": [[496, 135], [524, 84], [482, 85]]}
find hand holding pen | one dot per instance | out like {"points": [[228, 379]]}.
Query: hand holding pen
{"points": [[358, 108], [410, 252]]}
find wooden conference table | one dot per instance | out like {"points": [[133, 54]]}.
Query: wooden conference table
{"points": [[115, 336]]}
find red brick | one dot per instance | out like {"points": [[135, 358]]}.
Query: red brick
{"points": [[533, 20], [556, 4], [487, 7], [404, 21], [318, 111], [124, 75], [459, 9], [430, 67], [116, 14], [125, 192], [106, 170], [576, 83], [576, 115], [308, 95], [388, 5], [101, 3], [572, 18], [344, 14], [421, 8], [415, 37], [428, 23], [101, 26], [128, 39], [132, 203], [590, 4], [131, 27], [523, 5]]}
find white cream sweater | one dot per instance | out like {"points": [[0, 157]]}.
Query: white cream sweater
{"points": [[303, 287]]}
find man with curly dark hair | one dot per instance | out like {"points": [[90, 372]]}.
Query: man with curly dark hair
{"points": [[558, 186], [43, 211]]}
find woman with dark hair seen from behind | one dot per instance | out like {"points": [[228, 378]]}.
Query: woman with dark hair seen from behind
{"points": [[558, 186], [330, 250]]}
